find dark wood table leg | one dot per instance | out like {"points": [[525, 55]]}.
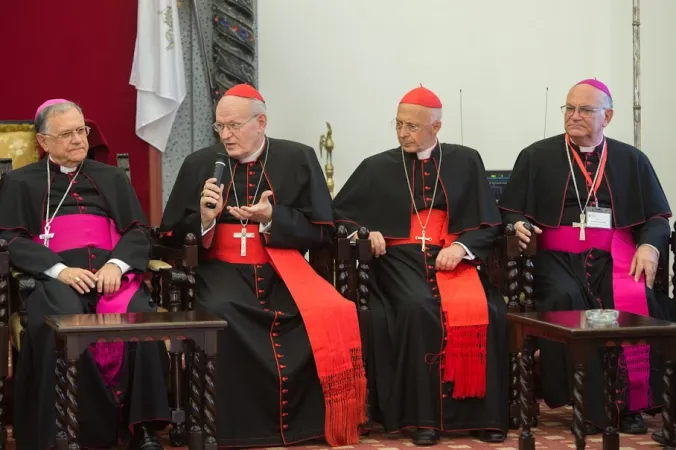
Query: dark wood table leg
{"points": [[668, 399], [526, 438], [196, 438], [61, 404], [72, 426], [611, 438], [578, 353], [178, 433], [209, 403]]}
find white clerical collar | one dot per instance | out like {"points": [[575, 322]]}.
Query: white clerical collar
{"points": [[587, 149], [425, 154], [253, 157], [63, 168]]}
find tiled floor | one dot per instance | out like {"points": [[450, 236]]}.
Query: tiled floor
{"points": [[553, 433]]}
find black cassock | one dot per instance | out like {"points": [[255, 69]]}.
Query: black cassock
{"points": [[540, 191], [405, 383], [106, 412], [257, 405]]}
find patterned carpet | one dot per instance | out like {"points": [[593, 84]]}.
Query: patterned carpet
{"points": [[553, 433]]}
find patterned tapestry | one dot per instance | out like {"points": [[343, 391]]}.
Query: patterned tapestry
{"points": [[234, 44]]}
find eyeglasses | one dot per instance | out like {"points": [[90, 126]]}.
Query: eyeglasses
{"points": [[585, 111], [410, 127], [69, 135], [232, 127]]}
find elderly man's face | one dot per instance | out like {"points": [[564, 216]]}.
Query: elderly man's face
{"points": [[588, 113], [416, 128], [66, 138], [241, 127]]}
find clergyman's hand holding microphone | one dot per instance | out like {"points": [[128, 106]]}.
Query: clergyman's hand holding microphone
{"points": [[219, 168]]}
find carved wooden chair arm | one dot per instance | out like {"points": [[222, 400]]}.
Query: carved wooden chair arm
{"points": [[157, 265], [173, 272]]}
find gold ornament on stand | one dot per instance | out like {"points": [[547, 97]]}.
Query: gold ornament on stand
{"points": [[326, 143]]}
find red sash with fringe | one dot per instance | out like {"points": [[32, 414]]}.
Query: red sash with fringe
{"points": [[465, 310], [331, 323]]}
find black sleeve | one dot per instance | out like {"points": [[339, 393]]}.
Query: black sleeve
{"points": [[134, 248], [27, 255], [291, 229], [480, 241], [182, 212], [655, 232], [349, 204], [512, 217], [515, 194]]}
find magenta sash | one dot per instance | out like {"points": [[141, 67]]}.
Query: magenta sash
{"points": [[628, 295], [91, 231]]}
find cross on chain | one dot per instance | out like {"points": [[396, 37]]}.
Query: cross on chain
{"points": [[582, 224], [242, 236], [422, 240], [46, 236]]}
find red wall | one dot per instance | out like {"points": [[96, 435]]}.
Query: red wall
{"points": [[81, 50]]}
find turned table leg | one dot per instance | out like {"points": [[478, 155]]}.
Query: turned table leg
{"points": [[209, 403], [526, 439], [611, 438], [61, 404], [579, 375], [72, 425], [668, 399], [195, 403]]}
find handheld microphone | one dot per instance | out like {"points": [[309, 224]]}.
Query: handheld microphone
{"points": [[219, 168]]}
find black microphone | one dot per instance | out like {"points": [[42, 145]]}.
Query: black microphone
{"points": [[219, 168]]}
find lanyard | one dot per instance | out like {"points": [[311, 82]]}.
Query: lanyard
{"points": [[592, 184]]}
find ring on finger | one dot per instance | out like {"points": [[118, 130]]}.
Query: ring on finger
{"points": [[78, 279]]}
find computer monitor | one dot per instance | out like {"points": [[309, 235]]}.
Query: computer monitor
{"points": [[497, 179]]}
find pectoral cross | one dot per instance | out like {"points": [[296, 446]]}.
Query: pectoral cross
{"points": [[581, 225], [422, 240], [242, 235], [46, 236]]}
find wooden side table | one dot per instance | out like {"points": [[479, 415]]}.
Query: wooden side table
{"points": [[74, 334], [580, 337]]}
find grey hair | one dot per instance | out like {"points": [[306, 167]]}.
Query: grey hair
{"points": [[46, 113], [258, 107], [607, 101], [435, 114]]}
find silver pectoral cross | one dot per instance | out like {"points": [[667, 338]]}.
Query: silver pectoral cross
{"points": [[422, 240], [581, 225], [242, 236], [46, 236]]}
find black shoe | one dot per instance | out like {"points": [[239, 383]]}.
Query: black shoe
{"points": [[490, 436], [633, 424], [145, 439], [589, 429], [658, 436], [424, 437]]}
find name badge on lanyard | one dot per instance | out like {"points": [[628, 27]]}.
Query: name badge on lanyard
{"points": [[599, 218]]}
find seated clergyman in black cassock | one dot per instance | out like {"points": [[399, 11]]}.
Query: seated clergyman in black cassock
{"points": [[76, 226], [439, 358], [289, 364], [601, 216]]}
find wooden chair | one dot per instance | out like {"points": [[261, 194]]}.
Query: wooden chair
{"points": [[512, 272], [345, 263], [171, 272], [18, 142]]}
